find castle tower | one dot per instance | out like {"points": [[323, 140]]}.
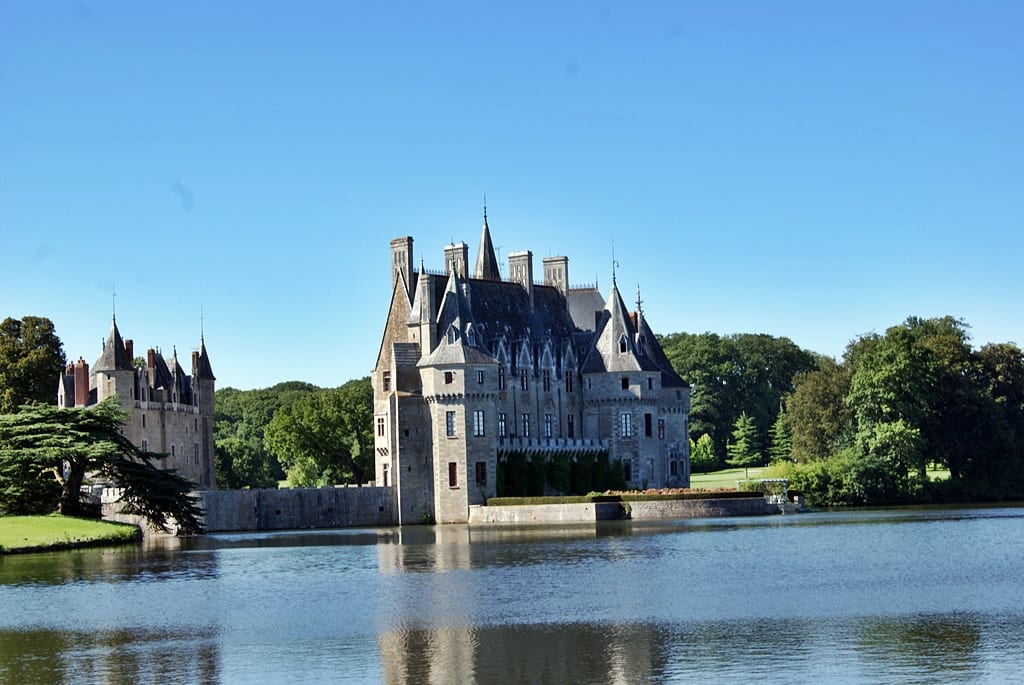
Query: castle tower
{"points": [[114, 372], [556, 273]]}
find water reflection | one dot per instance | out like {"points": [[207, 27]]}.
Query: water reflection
{"points": [[117, 656], [879, 597]]}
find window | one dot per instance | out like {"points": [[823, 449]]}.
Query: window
{"points": [[145, 445], [380, 426], [386, 381], [479, 377], [568, 381], [502, 426], [625, 383], [571, 426], [448, 377], [648, 425], [673, 468], [172, 450], [196, 424], [661, 429], [453, 474], [547, 425], [622, 345], [625, 425], [481, 473], [195, 451], [449, 423], [546, 374], [143, 420], [501, 378], [627, 469], [650, 384], [590, 384], [524, 379], [478, 422], [526, 424], [452, 335]]}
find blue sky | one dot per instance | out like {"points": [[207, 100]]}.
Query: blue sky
{"points": [[815, 170]]}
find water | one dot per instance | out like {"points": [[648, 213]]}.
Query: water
{"points": [[895, 596]]}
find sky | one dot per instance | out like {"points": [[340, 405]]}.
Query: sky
{"points": [[816, 170]]}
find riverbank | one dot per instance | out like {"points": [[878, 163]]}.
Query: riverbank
{"points": [[20, 534]]}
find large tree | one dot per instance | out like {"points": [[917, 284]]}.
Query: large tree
{"points": [[31, 360], [43, 444], [327, 437], [819, 419]]}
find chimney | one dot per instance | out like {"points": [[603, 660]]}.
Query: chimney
{"points": [[457, 255], [81, 383], [556, 273], [401, 262], [520, 270], [129, 347], [195, 363]]}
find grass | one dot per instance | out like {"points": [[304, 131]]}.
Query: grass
{"points": [[725, 478], [35, 533]]}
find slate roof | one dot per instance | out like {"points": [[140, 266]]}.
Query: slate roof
{"points": [[114, 356], [204, 370]]}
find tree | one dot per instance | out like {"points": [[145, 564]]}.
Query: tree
{"points": [[819, 419], [242, 457], [326, 437], [43, 443], [743, 450], [781, 446], [732, 374], [702, 454], [31, 361]]}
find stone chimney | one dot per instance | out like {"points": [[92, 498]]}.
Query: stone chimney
{"points": [[129, 347], [556, 273], [456, 255], [81, 383], [401, 262], [520, 270]]}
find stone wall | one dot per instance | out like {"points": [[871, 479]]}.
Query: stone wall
{"points": [[638, 511], [237, 510]]}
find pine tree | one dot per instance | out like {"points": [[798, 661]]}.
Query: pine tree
{"points": [[743, 450], [782, 442]]}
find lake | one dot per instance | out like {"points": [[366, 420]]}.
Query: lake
{"points": [[886, 596]]}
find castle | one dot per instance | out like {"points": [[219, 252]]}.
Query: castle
{"points": [[168, 411], [473, 368]]}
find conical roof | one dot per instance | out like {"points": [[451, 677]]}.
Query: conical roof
{"points": [[486, 263]]}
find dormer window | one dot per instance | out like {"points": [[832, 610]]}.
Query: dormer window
{"points": [[622, 345], [453, 335]]}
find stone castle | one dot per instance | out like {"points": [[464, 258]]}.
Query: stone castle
{"points": [[473, 366], [169, 411]]}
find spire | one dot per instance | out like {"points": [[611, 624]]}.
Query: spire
{"points": [[115, 355], [486, 263]]}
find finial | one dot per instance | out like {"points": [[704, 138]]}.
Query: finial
{"points": [[113, 302], [615, 264], [202, 321], [639, 302], [485, 207]]}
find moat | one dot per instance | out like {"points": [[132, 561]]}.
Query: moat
{"points": [[887, 596]]}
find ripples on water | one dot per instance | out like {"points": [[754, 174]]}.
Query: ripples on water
{"points": [[931, 595]]}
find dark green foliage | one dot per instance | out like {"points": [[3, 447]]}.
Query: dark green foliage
{"points": [[326, 437], [733, 374], [865, 431], [242, 458], [43, 444], [523, 473], [31, 361]]}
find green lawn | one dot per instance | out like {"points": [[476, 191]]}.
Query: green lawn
{"points": [[725, 478], [20, 533]]}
